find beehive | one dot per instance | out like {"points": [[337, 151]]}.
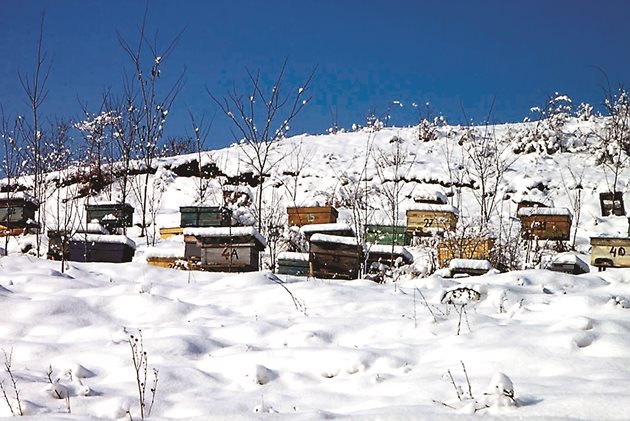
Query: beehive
{"points": [[426, 219], [545, 223], [334, 257], [464, 248], [299, 216]]}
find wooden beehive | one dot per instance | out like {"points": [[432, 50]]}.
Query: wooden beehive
{"points": [[340, 229], [471, 267], [386, 254], [228, 249], [111, 215], [545, 223], [464, 248], [612, 204], [295, 264], [334, 257], [192, 248], [204, 216], [424, 220], [613, 252], [17, 213], [387, 235], [299, 216], [567, 263], [170, 232], [101, 248]]}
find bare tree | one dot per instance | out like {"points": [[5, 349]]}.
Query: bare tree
{"points": [[573, 189], [487, 161], [11, 162], [148, 106], [393, 166], [203, 180], [614, 149], [66, 218], [261, 119], [33, 138]]}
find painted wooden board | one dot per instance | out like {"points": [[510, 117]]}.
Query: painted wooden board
{"points": [[299, 216], [610, 252], [426, 222], [464, 248]]}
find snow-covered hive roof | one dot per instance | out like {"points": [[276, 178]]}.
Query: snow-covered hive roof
{"points": [[538, 211], [226, 232], [100, 238], [308, 229], [335, 239]]}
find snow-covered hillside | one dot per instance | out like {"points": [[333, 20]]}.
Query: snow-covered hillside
{"points": [[233, 346]]}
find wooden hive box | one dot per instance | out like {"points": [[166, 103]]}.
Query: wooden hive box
{"points": [[385, 254], [472, 267], [334, 257], [228, 249], [610, 252], [387, 235], [464, 248], [167, 257], [192, 248], [111, 215], [166, 233], [101, 248], [299, 216], [567, 263], [295, 264], [17, 212], [340, 229], [612, 204], [205, 216], [545, 223], [424, 220]]}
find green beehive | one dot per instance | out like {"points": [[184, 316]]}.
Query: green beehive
{"points": [[387, 234], [115, 215], [204, 216]]}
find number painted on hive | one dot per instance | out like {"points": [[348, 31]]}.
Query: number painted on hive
{"points": [[230, 253], [618, 251]]}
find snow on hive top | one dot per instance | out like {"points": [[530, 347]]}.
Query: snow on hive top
{"points": [[430, 196], [226, 232], [100, 238], [384, 248], [172, 252], [475, 264], [20, 195], [569, 259], [431, 207], [337, 239], [545, 211], [288, 255], [307, 229], [92, 228]]}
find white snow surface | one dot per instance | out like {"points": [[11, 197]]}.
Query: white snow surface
{"points": [[226, 232], [230, 346], [307, 229], [337, 239], [288, 255], [430, 194], [476, 264], [226, 344], [104, 238], [544, 211], [21, 195], [384, 248]]}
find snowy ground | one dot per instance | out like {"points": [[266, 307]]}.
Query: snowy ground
{"points": [[229, 346]]}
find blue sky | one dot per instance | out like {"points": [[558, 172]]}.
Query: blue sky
{"points": [[453, 54]]}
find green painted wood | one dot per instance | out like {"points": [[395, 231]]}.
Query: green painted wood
{"points": [[123, 213], [292, 270], [204, 216], [385, 234]]}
